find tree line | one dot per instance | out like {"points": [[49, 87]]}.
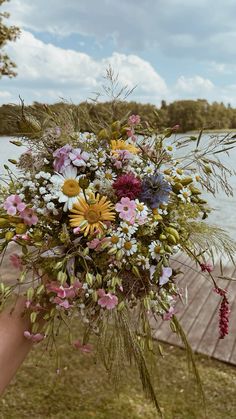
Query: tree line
{"points": [[188, 114]]}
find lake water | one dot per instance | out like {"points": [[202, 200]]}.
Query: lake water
{"points": [[225, 207]]}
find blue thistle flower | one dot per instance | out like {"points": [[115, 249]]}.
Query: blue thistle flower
{"points": [[155, 190]]}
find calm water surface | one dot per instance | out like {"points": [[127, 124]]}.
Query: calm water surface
{"points": [[225, 207]]}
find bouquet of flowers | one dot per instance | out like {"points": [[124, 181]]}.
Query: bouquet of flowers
{"points": [[99, 218]]}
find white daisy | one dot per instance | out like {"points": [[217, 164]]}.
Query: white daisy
{"points": [[154, 249], [177, 173], [116, 243], [66, 187], [106, 174], [184, 195], [126, 229], [129, 246], [142, 212], [143, 262]]}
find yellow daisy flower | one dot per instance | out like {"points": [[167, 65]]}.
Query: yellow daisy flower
{"points": [[89, 215], [123, 145]]}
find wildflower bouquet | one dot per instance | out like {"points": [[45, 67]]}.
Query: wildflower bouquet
{"points": [[99, 218]]}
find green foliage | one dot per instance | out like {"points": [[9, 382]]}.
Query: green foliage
{"points": [[7, 34]]}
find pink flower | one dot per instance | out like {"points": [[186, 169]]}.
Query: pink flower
{"points": [[35, 338], [127, 185], [62, 159], [169, 314], [16, 261], [96, 244], [13, 204], [134, 120], [108, 300], [78, 157], [130, 134], [24, 236], [62, 303], [175, 127], [29, 217], [166, 274], [206, 267], [64, 292], [86, 349], [126, 209], [76, 230]]}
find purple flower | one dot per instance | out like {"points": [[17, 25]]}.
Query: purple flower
{"points": [[166, 274], [13, 204], [62, 159], [155, 190], [79, 157]]}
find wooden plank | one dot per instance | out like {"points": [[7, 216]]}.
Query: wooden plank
{"points": [[164, 332]]}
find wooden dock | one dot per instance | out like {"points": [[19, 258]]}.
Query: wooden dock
{"points": [[199, 315]]}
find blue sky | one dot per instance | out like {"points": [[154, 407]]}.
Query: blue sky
{"points": [[170, 49]]}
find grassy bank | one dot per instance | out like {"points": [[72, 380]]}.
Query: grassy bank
{"points": [[82, 389]]}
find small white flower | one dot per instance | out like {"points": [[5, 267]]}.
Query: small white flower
{"points": [[107, 175], [129, 246], [48, 197], [116, 242], [126, 229], [143, 262], [50, 206], [149, 169], [177, 173], [42, 190], [40, 210], [154, 249], [184, 195], [162, 211]]}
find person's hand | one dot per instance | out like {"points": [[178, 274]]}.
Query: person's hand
{"points": [[13, 345]]}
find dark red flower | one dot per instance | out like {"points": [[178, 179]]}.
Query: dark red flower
{"points": [[224, 312], [206, 267], [127, 186]]}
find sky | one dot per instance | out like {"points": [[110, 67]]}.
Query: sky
{"points": [[168, 49]]}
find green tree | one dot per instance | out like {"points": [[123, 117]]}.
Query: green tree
{"points": [[7, 33]]}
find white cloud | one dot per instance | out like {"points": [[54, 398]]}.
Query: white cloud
{"points": [[47, 73], [196, 85], [199, 28], [5, 95]]}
